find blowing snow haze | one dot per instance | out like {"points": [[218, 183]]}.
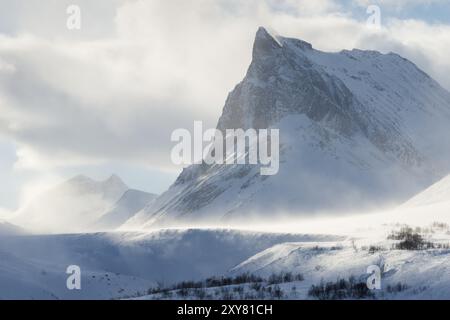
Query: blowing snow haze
{"points": [[82, 204]]}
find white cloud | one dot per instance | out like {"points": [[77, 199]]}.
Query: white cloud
{"points": [[424, 44], [4, 214], [397, 4], [69, 101]]}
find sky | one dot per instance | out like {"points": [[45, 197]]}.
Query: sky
{"points": [[105, 98]]}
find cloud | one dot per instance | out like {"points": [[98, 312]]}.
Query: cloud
{"points": [[424, 44], [4, 214], [397, 4], [47, 18], [79, 101], [117, 92]]}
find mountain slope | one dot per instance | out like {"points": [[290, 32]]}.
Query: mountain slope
{"points": [[424, 274], [357, 129], [129, 204], [438, 193], [432, 205], [73, 206]]}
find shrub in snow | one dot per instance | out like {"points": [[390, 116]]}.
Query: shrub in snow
{"points": [[341, 289]]}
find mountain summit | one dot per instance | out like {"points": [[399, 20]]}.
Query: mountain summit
{"points": [[357, 129]]}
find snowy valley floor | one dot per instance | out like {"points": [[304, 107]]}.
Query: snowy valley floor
{"points": [[209, 263]]}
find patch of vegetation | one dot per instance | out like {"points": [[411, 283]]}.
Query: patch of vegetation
{"points": [[284, 277], [229, 288], [341, 289], [399, 287], [373, 249], [228, 281], [409, 239], [323, 249], [440, 225]]}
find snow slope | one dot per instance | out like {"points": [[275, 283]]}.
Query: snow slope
{"points": [[405, 275], [358, 129], [425, 273], [29, 279], [126, 207], [438, 193]]}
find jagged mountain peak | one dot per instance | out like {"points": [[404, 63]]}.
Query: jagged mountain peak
{"points": [[268, 40], [265, 43], [281, 80]]}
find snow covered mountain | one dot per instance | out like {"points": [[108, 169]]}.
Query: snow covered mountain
{"points": [[73, 206], [357, 128], [128, 205]]}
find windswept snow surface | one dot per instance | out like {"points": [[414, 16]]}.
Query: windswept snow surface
{"points": [[125, 265], [422, 274], [426, 274], [119, 265]]}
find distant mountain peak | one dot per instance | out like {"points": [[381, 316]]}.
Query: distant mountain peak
{"points": [[269, 42], [129, 204], [115, 180], [83, 180], [80, 179], [73, 205]]}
